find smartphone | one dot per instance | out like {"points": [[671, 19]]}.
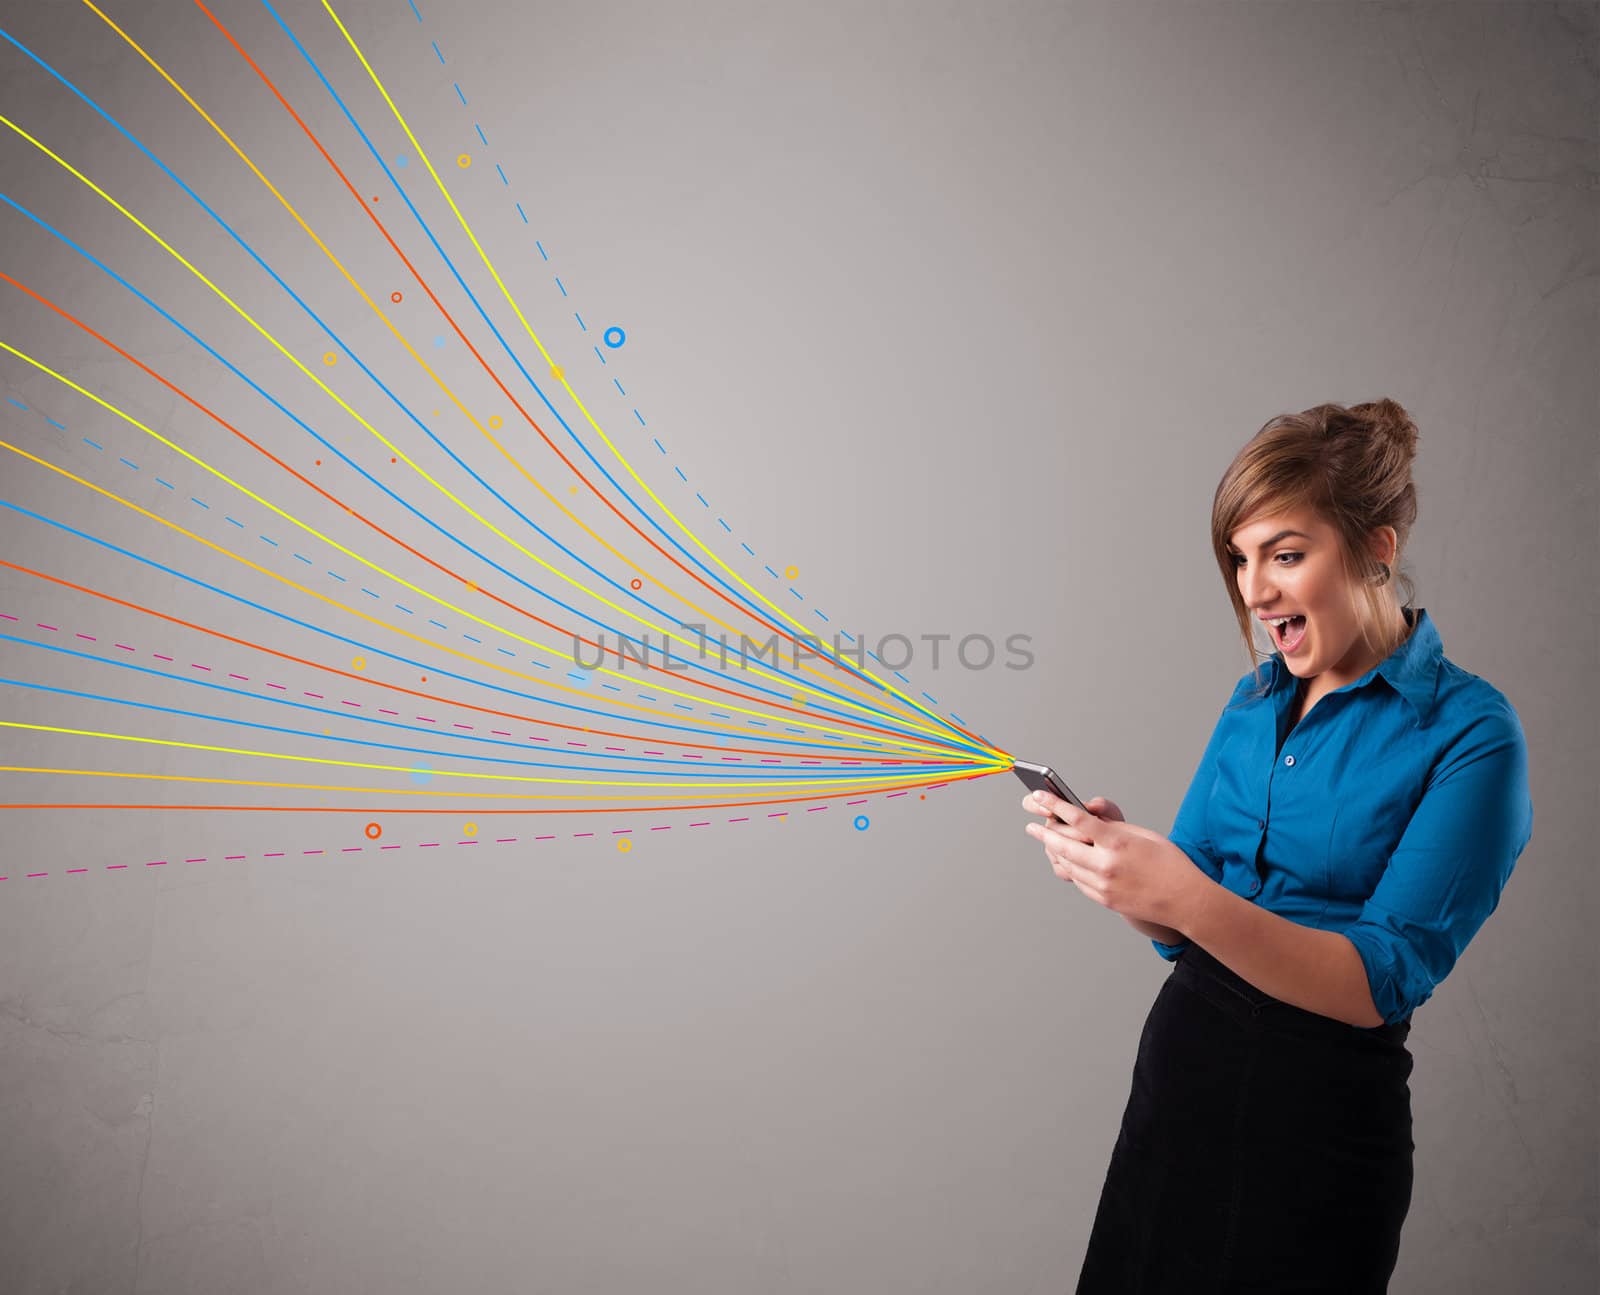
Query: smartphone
{"points": [[1041, 777]]}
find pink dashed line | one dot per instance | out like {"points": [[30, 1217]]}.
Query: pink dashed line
{"points": [[815, 809], [426, 720], [746, 819], [70, 871], [665, 827], [231, 857], [193, 666], [159, 863], [620, 831], [428, 845], [313, 852], [706, 824], [244, 677], [194, 860], [278, 686], [124, 647], [317, 695], [90, 637], [356, 704], [43, 626], [276, 854], [159, 657], [544, 838], [583, 834], [8, 616], [499, 732], [466, 843], [395, 713], [351, 849], [504, 840], [468, 727]]}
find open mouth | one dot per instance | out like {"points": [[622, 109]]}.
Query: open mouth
{"points": [[1290, 633]]}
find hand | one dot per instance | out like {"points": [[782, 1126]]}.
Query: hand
{"points": [[1128, 869]]}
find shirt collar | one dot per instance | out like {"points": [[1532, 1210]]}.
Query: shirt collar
{"points": [[1412, 669]]}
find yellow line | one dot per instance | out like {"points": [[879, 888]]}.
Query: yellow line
{"points": [[397, 791], [450, 773], [333, 602], [488, 265], [843, 685]]}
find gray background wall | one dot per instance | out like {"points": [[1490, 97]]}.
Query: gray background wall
{"points": [[963, 309]]}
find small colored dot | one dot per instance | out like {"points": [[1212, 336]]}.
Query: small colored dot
{"points": [[319, 463], [861, 822], [465, 160], [471, 829], [495, 421], [330, 358], [402, 160], [791, 572], [424, 678], [636, 583], [374, 831], [360, 663], [624, 844], [620, 338], [574, 490], [395, 296]]}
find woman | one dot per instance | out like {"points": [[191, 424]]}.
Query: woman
{"points": [[1354, 818]]}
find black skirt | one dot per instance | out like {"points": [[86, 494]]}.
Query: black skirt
{"points": [[1264, 1148]]}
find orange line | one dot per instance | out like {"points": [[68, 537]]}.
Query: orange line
{"points": [[477, 810], [333, 499], [439, 305], [415, 692]]}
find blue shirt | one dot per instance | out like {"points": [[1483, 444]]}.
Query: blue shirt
{"points": [[1391, 813]]}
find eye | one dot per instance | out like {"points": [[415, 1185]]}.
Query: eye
{"points": [[1286, 553]]}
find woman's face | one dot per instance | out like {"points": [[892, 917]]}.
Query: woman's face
{"points": [[1287, 564]]}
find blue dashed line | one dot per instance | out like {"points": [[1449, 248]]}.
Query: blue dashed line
{"points": [[167, 484], [53, 423], [97, 446], [14, 401], [303, 558], [375, 597], [201, 502], [338, 577], [601, 357], [505, 652], [406, 610], [431, 621], [240, 525], [470, 639], [270, 540], [131, 464], [459, 95]]}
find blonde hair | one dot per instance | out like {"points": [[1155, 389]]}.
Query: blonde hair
{"points": [[1351, 466]]}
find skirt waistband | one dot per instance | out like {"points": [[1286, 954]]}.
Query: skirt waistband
{"points": [[1195, 965]]}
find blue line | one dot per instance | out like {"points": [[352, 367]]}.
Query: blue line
{"points": [[374, 650]]}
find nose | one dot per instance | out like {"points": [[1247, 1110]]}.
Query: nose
{"points": [[1257, 591]]}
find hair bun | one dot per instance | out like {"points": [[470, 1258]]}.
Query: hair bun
{"points": [[1388, 418]]}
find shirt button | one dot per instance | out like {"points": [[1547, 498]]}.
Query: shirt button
{"points": [[1288, 759], [1261, 822]]}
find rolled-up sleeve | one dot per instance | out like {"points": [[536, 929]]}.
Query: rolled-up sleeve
{"points": [[1453, 860], [1189, 827]]}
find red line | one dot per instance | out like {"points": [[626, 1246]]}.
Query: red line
{"points": [[467, 342]]}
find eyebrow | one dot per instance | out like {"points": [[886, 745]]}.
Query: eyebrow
{"points": [[1268, 543]]}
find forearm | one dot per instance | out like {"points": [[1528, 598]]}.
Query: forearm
{"points": [[1166, 934], [1319, 971]]}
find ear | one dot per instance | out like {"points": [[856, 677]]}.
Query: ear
{"points": [[1384, 542]]}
